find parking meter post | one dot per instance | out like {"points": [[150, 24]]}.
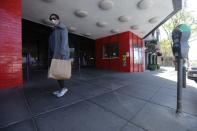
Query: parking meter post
{"points": [[184, 75], [179, 84], [27, 65], [180, 48], [79, 66]]}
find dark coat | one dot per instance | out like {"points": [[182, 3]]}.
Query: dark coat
{"points": [[58, 43]]}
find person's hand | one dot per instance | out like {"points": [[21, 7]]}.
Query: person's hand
{"points": [[62, 57]]}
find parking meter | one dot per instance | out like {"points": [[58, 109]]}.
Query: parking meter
{"points": [[180, 48], [180, 36], [176, 36]]}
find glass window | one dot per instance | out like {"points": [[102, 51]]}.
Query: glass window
{"points": [[140, 55], [137, 55], [110, 50]]}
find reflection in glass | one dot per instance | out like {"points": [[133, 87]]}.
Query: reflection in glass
{"points": [[137, 55], [111, 50]]}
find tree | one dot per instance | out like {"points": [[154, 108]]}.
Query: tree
{"points": [[166, 48], [182, 17], [166, 52]]}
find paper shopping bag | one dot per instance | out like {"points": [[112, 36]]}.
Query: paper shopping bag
{"points": [[60, 69]]}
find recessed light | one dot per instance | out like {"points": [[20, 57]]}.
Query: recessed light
{"points": [[72, 29], [134, 27], [114, 31], [145, 4], [153, 20], [106, 4], [124, 18], [101, 24], [81, 13], [87, 34]]}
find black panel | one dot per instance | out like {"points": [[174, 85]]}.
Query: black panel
{"points": [[35, 42]]}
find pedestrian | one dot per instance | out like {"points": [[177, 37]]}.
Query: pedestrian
{"points": [[59, 48]]}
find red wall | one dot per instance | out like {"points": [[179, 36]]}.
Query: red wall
{"points": [[125, 41], [10, 44]]}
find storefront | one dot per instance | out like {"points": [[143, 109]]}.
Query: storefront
{"points": [[121, 52], [95, 21]]}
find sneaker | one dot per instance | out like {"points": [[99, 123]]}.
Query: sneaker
{"points": [[62, 92], [56, 92]]}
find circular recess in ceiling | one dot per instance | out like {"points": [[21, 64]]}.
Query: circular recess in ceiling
{"points": [[72, 29], [48, 1], [47, 22], [114, 31], [124, 18], [134, 27], [145, 4], [142, 32], [153, 20], [81, 13], [106, 4], [101, 24], [87, 34]]}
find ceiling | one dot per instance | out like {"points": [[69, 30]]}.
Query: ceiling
{"points": [[100, 18]]}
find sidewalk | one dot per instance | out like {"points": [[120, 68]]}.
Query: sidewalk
{"points": [[99, 101]]}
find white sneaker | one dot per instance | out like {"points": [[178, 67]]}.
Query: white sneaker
{"points": [[56, 92], [62, 92]]}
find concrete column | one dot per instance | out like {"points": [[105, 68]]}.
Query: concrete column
{"points": [[151, 59]]}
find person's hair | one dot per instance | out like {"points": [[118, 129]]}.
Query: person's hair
{"points": [[55, 15]]}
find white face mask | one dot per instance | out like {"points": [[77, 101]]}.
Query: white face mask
{"points": [[55, 22]]}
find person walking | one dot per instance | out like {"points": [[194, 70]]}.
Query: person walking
{"points": [[59, 48]]}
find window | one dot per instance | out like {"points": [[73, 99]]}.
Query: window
{"points": [[137, 55], [111, 50]]}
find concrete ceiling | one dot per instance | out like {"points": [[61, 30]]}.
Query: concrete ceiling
{"points": [[100, 18]]}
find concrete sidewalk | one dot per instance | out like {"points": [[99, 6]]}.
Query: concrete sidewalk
{"points": [[99, 101]]}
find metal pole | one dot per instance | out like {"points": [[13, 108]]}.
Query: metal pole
{"points": [[179, 84], [184, 76], [79, 65], [27, 65]]}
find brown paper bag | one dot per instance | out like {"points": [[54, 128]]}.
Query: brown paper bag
{"points": [[60, 69]]}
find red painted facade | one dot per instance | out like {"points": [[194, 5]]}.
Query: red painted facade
{"points": [[130, 45], [10, 44]]}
